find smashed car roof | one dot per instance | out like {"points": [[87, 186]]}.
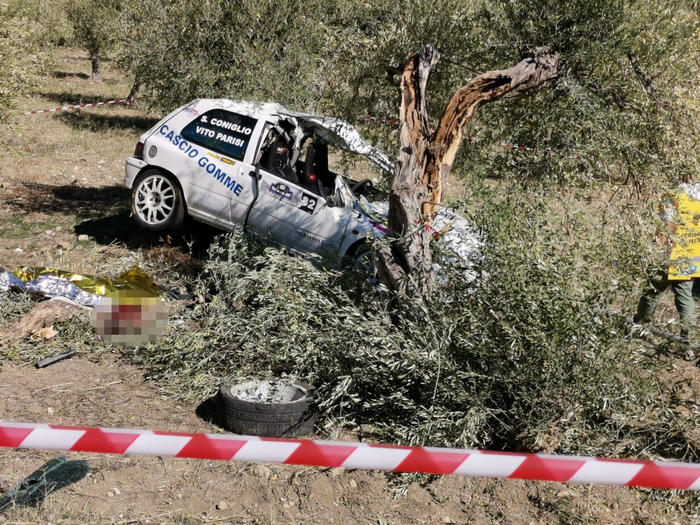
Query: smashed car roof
{"points": [[334, 131]]}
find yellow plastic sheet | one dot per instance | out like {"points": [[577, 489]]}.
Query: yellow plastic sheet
{"points": [[133, 279], [685, 254]]}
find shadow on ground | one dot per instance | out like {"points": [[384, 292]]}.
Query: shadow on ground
{"points": [[120, 228], [69, 97], [208, 410], [68, 74], [104, 214], [68, 199], [102, 121]]}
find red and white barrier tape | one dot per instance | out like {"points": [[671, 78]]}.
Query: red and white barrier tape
{"points": [[228, 447], [92, 105]]}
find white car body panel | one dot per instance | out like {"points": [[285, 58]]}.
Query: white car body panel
{"points": [[213, 148], [225, 191]]}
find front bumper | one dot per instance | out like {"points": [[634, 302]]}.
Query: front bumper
{"points": [[133, 167]]}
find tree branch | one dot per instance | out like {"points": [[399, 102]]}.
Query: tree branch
{"points": [[425, 158]]}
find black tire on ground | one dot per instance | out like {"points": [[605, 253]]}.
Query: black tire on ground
{"points": [[287, 419], [156, 201]]}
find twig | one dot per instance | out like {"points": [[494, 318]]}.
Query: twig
{"points": [[137, 520], [100, 387], [52, 386]]}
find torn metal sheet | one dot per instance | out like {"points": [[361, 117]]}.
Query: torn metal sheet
{"points": [[454, 233], [345, 136]]}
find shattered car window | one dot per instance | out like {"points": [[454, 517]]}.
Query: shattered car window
{"points": [[221, 131]]}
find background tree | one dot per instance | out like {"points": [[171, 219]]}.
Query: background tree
{"points": [[623, 109], [279, 50], [23, 53], [96, 26]]}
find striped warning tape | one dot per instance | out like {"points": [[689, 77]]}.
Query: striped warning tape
{"points": [[431, 460], [91, 105]]}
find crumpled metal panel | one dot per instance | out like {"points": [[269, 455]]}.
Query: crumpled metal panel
{"points": [[455, 233]]}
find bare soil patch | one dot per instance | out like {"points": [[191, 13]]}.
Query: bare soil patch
{"points": [[61, 179], [165, 490]]}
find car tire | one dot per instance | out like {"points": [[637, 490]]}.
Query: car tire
{"points": [[360, 257], [363, 187], [273, 419], [156, 201]]}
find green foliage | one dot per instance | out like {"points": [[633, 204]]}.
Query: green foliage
{"points": [[262, 50], [13, 306], [617, 112], [96, 24], [525, 359], [23, 56], [625, 107]]}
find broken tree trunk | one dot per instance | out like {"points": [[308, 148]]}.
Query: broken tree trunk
{"points": [[426, 158]]}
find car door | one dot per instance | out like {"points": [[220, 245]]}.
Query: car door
{"points": [[296, 217], [218, 173]]}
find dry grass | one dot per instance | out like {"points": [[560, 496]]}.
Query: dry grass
{"points": [[61, 177]]}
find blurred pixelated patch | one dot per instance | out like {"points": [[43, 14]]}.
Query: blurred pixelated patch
{"points": [[127, 310], [129, 317]]}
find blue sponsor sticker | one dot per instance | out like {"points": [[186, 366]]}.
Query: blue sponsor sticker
{"points": [[202, 161]]}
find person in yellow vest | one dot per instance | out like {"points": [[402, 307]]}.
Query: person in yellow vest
{"points": [[681, 213]]}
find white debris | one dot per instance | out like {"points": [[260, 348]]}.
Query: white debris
{"points": [[693, 190], [267, 391], [461, 238]]}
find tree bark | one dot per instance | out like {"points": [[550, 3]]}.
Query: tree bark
{"points": [[96, 75], [426, 158], [134, 93]]}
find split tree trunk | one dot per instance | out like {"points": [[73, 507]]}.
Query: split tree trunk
{"points": [[426, 158], [96, 75]]}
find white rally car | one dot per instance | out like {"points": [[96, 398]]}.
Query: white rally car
{"points": [[229, 163]]}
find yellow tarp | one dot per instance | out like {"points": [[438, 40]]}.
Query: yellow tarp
{"points": [[685, 254], [135, 278]]}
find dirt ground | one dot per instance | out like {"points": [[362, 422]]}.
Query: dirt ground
{"points": [[165, 490], [61, 205]]}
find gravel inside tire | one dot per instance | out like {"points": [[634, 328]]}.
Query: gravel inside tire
{"points": [[294, 415]]}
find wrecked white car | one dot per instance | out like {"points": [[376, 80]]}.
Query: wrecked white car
{"points": [[230, 163]]}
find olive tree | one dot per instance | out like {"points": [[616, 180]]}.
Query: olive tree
{"points": [[22, 52], [623, 108], [96, 28], [426, 156]]}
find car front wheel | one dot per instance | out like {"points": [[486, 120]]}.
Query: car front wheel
{"points": [[156, 201]]}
